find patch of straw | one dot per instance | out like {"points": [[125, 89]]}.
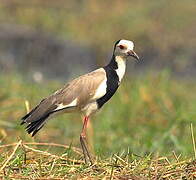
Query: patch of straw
{"points": [[12, 154], [27, 105], [193, 140]]}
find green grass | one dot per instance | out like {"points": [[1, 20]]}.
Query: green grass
{"points": [[143, 132]]}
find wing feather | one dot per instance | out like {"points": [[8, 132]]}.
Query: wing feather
{"points": [[83, 89], [77, 93]]}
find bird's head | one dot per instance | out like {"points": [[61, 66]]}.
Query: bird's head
{"points": [[124, 48]]}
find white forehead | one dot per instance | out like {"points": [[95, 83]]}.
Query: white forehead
{"points": [[127, 43]]}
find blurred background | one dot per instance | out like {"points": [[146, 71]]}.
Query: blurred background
{"points": [[43, 44]]}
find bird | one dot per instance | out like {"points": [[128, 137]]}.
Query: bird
{"points": [[85, 94]]}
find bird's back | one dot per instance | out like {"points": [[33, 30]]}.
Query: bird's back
{"points": [[77, 93]]}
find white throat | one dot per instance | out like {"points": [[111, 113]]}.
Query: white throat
{"points": [[121, 61]]}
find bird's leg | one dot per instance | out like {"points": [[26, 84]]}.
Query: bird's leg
{"points": [[84, 142]]}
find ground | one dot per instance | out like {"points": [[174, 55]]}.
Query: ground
{"points": [[145, 132]]}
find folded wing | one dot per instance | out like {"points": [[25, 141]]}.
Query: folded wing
{"points": [[77, 93]]}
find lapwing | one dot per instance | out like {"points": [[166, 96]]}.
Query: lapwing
{"points": [[86, 94]]}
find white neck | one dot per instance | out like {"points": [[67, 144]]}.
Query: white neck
{"points": [[121, 61]]}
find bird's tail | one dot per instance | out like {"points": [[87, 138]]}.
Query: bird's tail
{"points": [[37, 117], [34, 126]]}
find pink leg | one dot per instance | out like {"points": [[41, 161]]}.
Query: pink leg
{"points": [[85, 122], [84, 142]]}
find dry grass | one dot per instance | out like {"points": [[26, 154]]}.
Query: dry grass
{"points": [[26, 161], [153, 124]]}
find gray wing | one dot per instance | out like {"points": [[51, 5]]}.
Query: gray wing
{"points": [[81, 90], [76, 93]]}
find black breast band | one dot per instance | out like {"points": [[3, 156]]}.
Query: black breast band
{"points": [[112, 85]]}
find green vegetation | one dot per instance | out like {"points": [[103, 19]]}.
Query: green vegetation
{"points": [[144, 131]]}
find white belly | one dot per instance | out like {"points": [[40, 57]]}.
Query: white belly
{"points": [[90, 108]]}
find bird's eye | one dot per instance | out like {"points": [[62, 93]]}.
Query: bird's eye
{"points": [[121, 47]]}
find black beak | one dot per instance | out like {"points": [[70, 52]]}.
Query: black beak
{"points": [[133, 54]]}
